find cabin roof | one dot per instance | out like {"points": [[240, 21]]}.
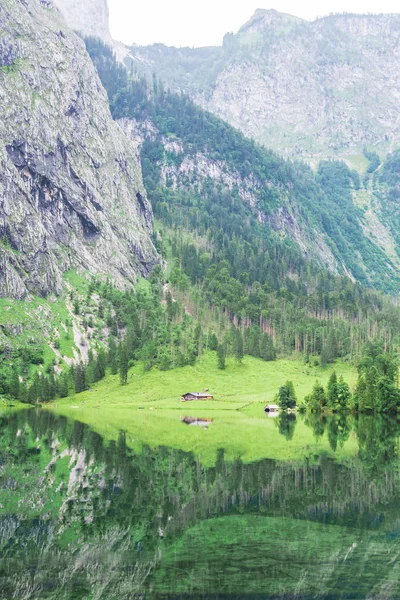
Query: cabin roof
{"points": [[275, 406], [198, 394]]}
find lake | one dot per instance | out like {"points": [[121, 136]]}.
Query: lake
{"points": [[87, 515]]}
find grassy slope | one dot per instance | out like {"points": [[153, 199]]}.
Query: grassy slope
{"points": [[239, 423], [239, 385], [43, 321]]}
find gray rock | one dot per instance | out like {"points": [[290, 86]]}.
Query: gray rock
{"points": [[89, 17], [71, 190], [310, 89]]}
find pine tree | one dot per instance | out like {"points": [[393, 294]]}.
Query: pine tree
{"points": [[267, 350], [52, 385], [123, 364], [45, 395], [99, 368], [371, 379], [23, 392], [130, 341], [112, 355], [333, 391], [317, 399], [34, 390], [213, 342], [13, 386], [80, 378], [63, 387], [221, 357], [238, 351]]}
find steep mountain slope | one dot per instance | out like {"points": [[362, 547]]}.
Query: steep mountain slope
{"points": [[315, 89], [90, 17], [71, 191], [190, 150]]}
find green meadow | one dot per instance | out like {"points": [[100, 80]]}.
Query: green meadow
{"points": [[149, 410]]}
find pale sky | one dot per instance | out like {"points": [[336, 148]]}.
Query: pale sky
{"points": [[205, 22]]}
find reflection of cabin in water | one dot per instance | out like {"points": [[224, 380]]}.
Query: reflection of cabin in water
{"points": [[271, 408], [196, 396], [194, 421]]}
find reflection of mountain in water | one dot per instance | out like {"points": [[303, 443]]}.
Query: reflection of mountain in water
{"points": [[83, 519]]}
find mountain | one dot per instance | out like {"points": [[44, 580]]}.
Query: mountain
{"points": [[265, 256], [189, 150], [71, 190], [307, 89], [90, 17]]}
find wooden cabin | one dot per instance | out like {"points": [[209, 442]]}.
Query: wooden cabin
{"points": [[271, 408], [196, 396]]}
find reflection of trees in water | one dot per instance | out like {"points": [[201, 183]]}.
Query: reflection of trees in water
{"points": [[127, 505], [317, 422], [286, 423], [377, 435], [339, 427], [378, 439]]}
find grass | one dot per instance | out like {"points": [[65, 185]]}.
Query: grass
{"points": [[254, 381], [77, 282], [148, 409], [358, 162], [36, 320]]}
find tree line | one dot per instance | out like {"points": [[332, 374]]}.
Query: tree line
{"points": [[377, 389]]}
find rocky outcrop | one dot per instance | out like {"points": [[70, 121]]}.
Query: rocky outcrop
{"points": [[310, 89], [71, 191], [89, 17]]}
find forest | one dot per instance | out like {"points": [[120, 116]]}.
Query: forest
{"points": [[249, 290]]}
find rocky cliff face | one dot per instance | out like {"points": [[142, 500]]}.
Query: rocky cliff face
{"points": [[89, 17], [71, 191], [308, 89]]}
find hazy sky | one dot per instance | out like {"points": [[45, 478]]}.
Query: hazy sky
{"points": [[204, 22]]}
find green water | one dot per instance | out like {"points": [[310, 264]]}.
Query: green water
{"points": [[82, 518]]}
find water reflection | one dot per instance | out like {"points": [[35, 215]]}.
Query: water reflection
{"points": [[85, 518], [377, 436], [286, 423]]}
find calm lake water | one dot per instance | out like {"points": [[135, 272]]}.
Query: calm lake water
{"points": [[85, 518]]}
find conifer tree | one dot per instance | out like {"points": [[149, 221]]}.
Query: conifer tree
{"points": [[63, 387], [80, 378], [317, 400], [221, 357], [13, 386], [238, 351], [333, 391], [112, 355], [123, 364], [267, 350], [213, 342]]}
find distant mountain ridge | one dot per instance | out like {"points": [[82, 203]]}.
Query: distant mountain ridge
{"points": [[307, 89], [310, 89]]}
